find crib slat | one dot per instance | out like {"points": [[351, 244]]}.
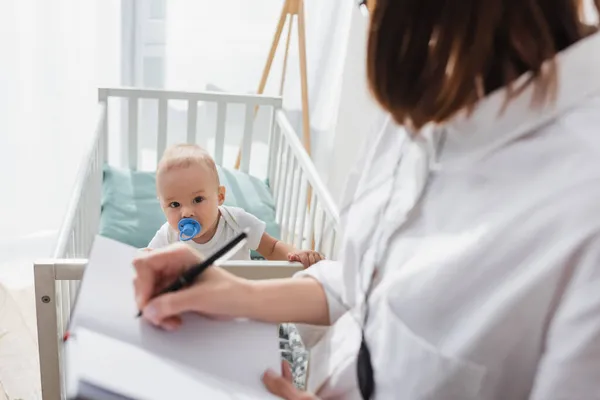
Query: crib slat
{"points": [[311, 220], [295, 198], [331, 248], [105, 138], [289, 193], [88, 199], [132, 133], [247, 139], [220, 135], [78, 214], [64, 324], [285, 198], [73, 249], [59, 304], [79, 239], [104, 127], [85, 234], [273, 130], [282, 187], [278, 160], [273, 157], [73, 286], [67, 305], [303, 198], [161, 138], [192, 119], [64, 305], [90, 221], [321, 232], [96, 202]]}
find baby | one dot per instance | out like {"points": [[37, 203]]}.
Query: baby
{"points": [[188, 186]]}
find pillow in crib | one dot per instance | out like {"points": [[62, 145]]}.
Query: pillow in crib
{"points": [[131, 212]]}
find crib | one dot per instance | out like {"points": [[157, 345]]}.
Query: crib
{"points": [[304, 210]]}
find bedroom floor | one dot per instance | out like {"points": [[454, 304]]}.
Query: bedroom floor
{"points": [[19, 365]]}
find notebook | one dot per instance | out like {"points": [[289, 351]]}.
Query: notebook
{"points": [[111, 354]]}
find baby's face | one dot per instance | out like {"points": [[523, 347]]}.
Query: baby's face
{"points": [[191, 192]]}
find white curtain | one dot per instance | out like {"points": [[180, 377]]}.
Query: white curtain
{"points": [[52, 57], [50, 68], [224, 45]]}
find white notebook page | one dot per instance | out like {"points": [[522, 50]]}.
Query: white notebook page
{"points": [[130, 372], [239, 351]]}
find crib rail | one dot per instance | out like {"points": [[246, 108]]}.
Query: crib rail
{"points": [[305, 210], [193, 99], [50, 275], [83, 213]]}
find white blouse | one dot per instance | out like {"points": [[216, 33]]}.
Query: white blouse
{"points": [[485, 237]]}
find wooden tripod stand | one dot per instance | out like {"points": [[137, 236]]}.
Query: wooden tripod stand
{"points": [[291, 9]]}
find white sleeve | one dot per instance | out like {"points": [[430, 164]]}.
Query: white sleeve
{"points": [[246, 220], [570, 366], [330, 275], [161, 238]]}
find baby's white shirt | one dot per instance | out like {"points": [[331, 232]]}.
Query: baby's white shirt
{"points": [[232, 221]]}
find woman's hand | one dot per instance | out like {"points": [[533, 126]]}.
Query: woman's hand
{"points": [[220, 294], [217, 294], [283, 386]]}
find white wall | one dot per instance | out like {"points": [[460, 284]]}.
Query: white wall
{"points": [[359, 116], [53, 56], [225, 45], [591, 14]]}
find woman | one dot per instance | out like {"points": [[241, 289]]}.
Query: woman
{"points": [[471, 260]]}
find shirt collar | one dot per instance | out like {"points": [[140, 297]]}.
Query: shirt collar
{"points": [[489, 126]]}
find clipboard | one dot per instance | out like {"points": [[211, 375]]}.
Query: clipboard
{"points": [[225, 359]]}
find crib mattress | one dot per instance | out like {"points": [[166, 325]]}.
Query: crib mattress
{"points": [[131, 212]]}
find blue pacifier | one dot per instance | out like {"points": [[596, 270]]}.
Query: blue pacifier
{"points": [[188, 229]]}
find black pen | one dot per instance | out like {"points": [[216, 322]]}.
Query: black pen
{"points": [[189, 276]]}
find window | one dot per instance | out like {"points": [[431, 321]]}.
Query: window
{"points": [[144, 43]]}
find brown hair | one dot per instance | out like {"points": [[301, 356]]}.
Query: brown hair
{"points": [[185, 155], [429, 59]]}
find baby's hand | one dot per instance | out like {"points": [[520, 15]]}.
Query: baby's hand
{"points": [[306, 257]]}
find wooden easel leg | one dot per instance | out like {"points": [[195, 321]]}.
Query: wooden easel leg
{"points": [[274, 45], [269, 63], [287, 51], [303, 77], [304, 89]]}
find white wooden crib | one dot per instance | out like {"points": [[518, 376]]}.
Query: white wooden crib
{"points": [[305, 212]]}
